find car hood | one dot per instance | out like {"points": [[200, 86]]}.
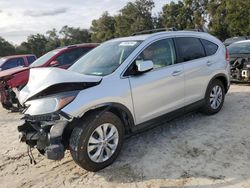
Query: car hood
{"points": [[43, 78], [8, 73]]}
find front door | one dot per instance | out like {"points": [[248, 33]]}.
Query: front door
{"points": [[162, 89]]}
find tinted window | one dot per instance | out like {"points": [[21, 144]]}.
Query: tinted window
{"points": [[71, 56], [189, 48], [161, 53], [210, 47], [16, 62], [239, 48], [31, 59]]}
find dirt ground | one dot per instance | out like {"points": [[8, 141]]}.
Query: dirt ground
{"points": [[192, 151]]}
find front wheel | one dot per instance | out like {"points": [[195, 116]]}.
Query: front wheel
{"points": [[214, 98], [97, 142]]}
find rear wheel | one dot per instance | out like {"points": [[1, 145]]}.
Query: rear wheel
{"points": [[97, 142], [214, 98]]}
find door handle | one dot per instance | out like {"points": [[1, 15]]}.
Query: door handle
{"points": [[209, 63], [177, 73]]}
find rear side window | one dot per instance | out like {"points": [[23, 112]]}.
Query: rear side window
{"points": [[71, 56], [31, 59], [15, 62], [189, 48], [210, 47]]}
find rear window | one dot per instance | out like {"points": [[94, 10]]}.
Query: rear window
{"points": [[70, 56], [210, 47], [31, 59], [189, 48], [239, 48]]}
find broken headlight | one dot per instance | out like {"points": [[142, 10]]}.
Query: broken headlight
{"points": [[49, 104]]}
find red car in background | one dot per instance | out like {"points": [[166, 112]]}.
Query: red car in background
{"points": [[13, 80], [10, 62]]}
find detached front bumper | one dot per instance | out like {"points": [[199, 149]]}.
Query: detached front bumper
{"points": [[45, 135]]}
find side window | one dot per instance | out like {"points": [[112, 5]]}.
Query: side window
{"points": [[31, 59], [71, 56], [189, 48], [161, 53], [16, 62], [210, 47]]}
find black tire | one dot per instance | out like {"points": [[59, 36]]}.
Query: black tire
{"points": [[80, 137], [207, 108]]}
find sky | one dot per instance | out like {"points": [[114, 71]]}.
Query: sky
{"points": [[21, 18]]}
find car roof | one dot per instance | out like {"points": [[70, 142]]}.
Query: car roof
{"points": [[242, 41], [78, 45], [16, 56], [165, 33]]}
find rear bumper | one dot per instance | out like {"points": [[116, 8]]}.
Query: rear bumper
{"points": [[45, 136]]}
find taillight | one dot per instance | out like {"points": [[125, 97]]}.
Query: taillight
{"points": [[227, 55]]}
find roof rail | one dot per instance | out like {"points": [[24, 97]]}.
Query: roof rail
{"points": [[197, 30], [154, 31]]}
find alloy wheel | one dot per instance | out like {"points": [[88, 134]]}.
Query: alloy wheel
{"points": [[103, 143]]}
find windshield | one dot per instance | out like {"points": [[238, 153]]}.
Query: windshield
{"points": [[239, 48], [43, 59], [105, 59], [2, 60]]}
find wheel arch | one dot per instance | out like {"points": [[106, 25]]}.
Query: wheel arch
{"points": [[223, 78], [118, 109]]}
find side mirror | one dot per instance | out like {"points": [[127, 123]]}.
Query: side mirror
{"points": [[144, 66], [54, 63]]}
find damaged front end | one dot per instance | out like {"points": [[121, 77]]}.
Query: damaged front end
{"points": [[46, 127], [45, 132], [45, 123]]}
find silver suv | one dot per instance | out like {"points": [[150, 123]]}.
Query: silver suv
{"points": [[119, 88]]}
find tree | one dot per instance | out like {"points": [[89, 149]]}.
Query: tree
{"points": [[53, 40], [134, 17], [187, 14], [103, 28], [6, 48], [229, 18], [177, 15], [71, 35], [36, 44]]}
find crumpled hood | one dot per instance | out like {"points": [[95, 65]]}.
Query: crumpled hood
{"points": [[7, 73], [42, 78]]}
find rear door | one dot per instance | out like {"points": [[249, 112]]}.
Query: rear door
{"points": [[192, 55], [162, 89]]}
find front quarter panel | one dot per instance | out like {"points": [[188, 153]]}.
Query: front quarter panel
{"points": [[111, 90]]}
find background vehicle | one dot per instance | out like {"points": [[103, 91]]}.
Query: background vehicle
{"points": [[10, 62], [230, 41], [12, 80], [239, 57], [119, 88]]}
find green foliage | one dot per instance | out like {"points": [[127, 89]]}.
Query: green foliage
{"points": [[103, 28], [134, 17], [53, 40], [71, 35], [6, 48], [229, 18]]}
